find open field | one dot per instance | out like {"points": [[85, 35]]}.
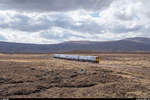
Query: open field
{"points": [[40, 75]]}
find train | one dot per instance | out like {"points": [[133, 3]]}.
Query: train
{"points": [[94, 59]]}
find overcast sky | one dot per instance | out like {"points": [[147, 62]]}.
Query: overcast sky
{"points": [[55, 21]]}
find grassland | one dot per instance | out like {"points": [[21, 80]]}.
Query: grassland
{"points": [[40, 75]]}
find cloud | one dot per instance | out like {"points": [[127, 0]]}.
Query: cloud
{"points": [[53, 5], [125, 29], [2, 38], [27, 23], [54, 21], [24, 37]]}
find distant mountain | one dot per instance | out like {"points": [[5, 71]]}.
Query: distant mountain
{"points": [[139, 40], [130, 44]]}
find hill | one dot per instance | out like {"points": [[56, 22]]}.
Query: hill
{"points": [[125, 45]]}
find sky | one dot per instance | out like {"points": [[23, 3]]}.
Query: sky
{"points": [[56, 21]]}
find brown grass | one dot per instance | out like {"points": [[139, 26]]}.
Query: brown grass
{"points": [[40, 75]]}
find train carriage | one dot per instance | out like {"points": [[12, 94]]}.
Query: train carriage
{"points": [[95, 59]]}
